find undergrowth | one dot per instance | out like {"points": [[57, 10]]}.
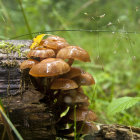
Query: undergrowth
{"points": [[115, 68]]}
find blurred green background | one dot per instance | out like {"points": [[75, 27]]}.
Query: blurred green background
{"points": [[115, 54]]}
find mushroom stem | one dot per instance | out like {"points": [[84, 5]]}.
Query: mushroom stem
{"points": [[25, 79], [70, 61], [45, 84], [34, 82]]}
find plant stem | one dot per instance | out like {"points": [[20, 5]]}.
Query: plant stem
{"points": [[11, 125], [75, 135], [25, 19]]}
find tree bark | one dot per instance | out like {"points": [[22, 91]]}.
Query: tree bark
{"points": [[115, 132], [32, 117]]}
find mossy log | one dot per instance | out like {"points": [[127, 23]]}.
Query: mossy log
{"points": [[32, 117], [28, 114]]}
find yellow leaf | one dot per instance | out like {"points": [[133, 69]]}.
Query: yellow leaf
{"points": [[1, 110], [37, 40]]}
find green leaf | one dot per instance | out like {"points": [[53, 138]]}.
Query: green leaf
{"points": [[65, 112], [121, 104]]}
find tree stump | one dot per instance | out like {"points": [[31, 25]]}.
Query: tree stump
{"points": [[32, 117]]}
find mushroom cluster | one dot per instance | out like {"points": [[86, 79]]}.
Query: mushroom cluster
{"points": [[49, 66]]}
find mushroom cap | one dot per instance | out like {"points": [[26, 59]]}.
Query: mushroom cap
{"points": [[76, 98], [73, 52], [63, 84], [54, 42], [49, 67], [43, 53], [40, 47], [80, 90], [74, 72], [55, 38], [73, 91], [86, 128], [28, 64], [84, 79], [82, 115]]}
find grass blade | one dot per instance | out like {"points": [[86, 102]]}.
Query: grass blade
{"points": [[25, 18], [9, 123], [75, 134]]}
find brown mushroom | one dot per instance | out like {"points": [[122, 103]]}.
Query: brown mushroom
{"points": [[54, 42], [63, 84], [84, 79], [49, 67], [55, 38], [74, 72], [75, 97], [42, 54], [40, 47], [80, 90], [28, 64], [82, 115], [73, 52]]}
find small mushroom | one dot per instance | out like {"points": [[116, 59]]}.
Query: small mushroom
{"points": [[54, 42], [55, 38], [84, 79], [76, 97], [49, 67], [74, 72], [63, 84], [74, 91], [42, 54], [82, 115], [80, 90], [40, 47], [28, 64], [73, 52]]}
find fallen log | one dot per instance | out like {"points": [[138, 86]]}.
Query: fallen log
{"points": [[28, 113], [115, 132], [30, 116]]}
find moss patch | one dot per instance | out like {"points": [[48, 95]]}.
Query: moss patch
{"points": [[11, 52], [7, 47]]}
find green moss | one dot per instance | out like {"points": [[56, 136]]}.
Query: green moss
{"points": [[10, 49], [7, 47]]}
